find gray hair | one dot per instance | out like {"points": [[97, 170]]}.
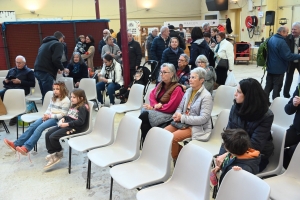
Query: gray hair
{"points": [[281, 29], [172, 69], [163, 29], [205, 24], [200, 72], [203, 59], [186, 57], [296, 24], [108, 32], [155, 29], [22, 57]]}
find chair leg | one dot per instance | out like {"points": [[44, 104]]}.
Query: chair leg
{"points": [[23, 127], [70, 154], [212, 124], [35, 106], [111, 187], [17, 130], [5, 127], [88, 178]]}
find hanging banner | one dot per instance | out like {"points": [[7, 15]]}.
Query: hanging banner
{"points": [[134, 27]]}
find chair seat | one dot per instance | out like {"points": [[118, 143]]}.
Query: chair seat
{"points": [[9, 115], [137, 176], [87, 142], [33, 97], [31, 117], [121, 108], [213, 146], [216, 110], [135, 113], [284, 187], [110, 155]]}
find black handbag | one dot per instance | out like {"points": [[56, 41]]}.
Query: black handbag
{"points": [[179, 125], [223, 64]]}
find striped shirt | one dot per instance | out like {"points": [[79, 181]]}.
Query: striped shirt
{"points": [[59, 108]]}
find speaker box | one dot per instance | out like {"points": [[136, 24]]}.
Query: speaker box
{"points": [[270, 18], [216, 5]]}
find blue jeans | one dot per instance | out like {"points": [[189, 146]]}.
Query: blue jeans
{"points": [[111, 88], [30, 137], [2, 92], [45, 82]]}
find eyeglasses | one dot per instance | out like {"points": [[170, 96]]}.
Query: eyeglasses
{"points": [[181, 60], [19, 63], [105, 33], [163, 72], [193, 77], [201, 62]]}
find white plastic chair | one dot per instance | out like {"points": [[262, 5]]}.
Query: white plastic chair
{"points": [[275, 165], [1, 82], [190, 179], [102, 134], [286, 185], [15, 104], [68, 82], [89, 86], [152, 167], [280, 116], [124, 149], [134, 102], [3, 73], [238, 185], [214, 143], [36, 95]]}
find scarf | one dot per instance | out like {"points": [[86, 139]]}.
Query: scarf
{"points": [[165, 98], [109, 70], [76, 68]]}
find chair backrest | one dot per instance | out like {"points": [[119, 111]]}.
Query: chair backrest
{"points": [[104, 124], [241, 184], [280, 116], [3, 73], [69, 83], [1, 82], [89, 86], [46, 102], [293, 168], [90, 128], [14, 100], [192, 175], [37, 89], [136, 95], [224, 96], [220, 124], [157, 149], [128, 135], [147, 95], [276, 160]]}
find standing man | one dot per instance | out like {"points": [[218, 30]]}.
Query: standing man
{"points": [[48, 61], [149, 41], [176, 34], [135, 54], [279, 54], [159, 44], [293, 42], [206, 27], [102, 42], [182, 31]]}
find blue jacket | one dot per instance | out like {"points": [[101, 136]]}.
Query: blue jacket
{"points": [[170, 56], [291, 109], [279, 55], [158, 46]]}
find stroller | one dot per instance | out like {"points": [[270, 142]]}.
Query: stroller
{"points": [[147, 75]]}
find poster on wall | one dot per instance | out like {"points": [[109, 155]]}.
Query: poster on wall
{"points": [[134, 27], [7, 16]]}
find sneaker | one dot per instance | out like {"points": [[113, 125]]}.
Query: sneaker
{"points": [[13, 121], [99, 106], [22, 150], [53, 160], [59, 154], [10, 144]]}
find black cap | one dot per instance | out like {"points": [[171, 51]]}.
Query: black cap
{"points": [[171, 27]]}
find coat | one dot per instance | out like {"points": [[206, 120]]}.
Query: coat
{"points": [[198, 47], [170, 56], [290, 40], [158, 46], [225, 50], [210, 78], [135, 54], [89, 55], [149, 41]]}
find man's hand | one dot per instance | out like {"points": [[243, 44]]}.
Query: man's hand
{"points": [[16, 81], [136, 67], [296, 101], [77, 84], [6, 80], [59, 72]]}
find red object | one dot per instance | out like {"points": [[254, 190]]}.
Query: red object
{"points": [[221, 28], [97, 9], [87, 53], [251, 21], [258, 8], [213, 179]]}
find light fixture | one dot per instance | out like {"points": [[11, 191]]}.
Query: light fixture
{"points": [[147, 9], [32, 11], [234, 1]]}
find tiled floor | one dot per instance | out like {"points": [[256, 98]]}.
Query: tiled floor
{"points": [[22, 179]]}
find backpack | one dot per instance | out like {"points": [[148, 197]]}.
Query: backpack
{"points": [[262, 55]]}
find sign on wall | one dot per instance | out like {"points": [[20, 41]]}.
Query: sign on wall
{"points": [[7, 16], [192, 23], [134, 27]]}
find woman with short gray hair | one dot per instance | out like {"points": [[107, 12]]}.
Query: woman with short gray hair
{"points": [[192, 117], [211, 76]]}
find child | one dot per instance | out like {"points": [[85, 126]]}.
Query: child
{"points": [[58, 107], [76, 121], [237, 143], [124, 93], [80, 45]]}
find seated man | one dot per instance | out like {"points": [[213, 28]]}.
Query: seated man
{"points": [[19, 77]]}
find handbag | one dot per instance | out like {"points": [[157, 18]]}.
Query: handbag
{"points": [[2, 108], [223, 64], [180, 125]]}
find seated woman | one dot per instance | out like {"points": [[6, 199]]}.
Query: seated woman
{"points": [[251, 112], [172, 53], [192, 117], [164, 99], [110, 77], [76, 69], [183, 71], [211, 76]]}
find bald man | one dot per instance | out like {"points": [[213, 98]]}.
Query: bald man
{"points": [[279, 54], [102, 42]]}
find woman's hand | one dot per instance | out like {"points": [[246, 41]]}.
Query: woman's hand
{"points": [[46, 117], [158, 106], [77, 84], [220, 159], [147, 106], [177, 117], [296, 101], [63, 125], [103, 79], [236, 168]]}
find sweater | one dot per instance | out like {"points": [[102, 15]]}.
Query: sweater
{"points": [[210, 78], [78, 118], [103, 43], [59, 108], [149, 41], [290, 109], [112, 49]]}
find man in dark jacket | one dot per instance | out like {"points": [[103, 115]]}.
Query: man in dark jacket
{"points": [[176, 34], [19, 77], [293, 42], [149, 41], [135, 55], [159, 44], [48, 61], [279, 54], [102, 42]]}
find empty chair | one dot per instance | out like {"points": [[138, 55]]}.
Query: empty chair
{"points": [[36, 95], [238, 185], [1, 82], [68, 82], [102, 134], [214, 143], [280, 116], [124, 149], [134, 102], [15, 104], [190, 179], [89, 86], [152, 167], [3, 73], [275, 165]]}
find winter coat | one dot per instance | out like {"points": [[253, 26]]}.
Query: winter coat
{"points": [[200, 111], [135, 54], [225, 51], [149, 41], [290, 40], [290, 109], [115, 75], [158, 46], [198, 47], [78, 73], [176, 34], [89, 55], [170, 56]]}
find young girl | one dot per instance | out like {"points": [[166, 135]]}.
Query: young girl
{"points": [[76, 121]]}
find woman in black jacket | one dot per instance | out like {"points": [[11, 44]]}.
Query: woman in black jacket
{"points": [[172, 53], [251, 112]]}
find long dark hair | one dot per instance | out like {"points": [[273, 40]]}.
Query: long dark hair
{"points": [[256, 102], [92, 43], [196, 33], [82, 100]]}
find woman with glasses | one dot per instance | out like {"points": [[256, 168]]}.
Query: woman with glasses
{"points": [[172, 53], [164, 99], [211, 76], [183, 71], [192, 117]]}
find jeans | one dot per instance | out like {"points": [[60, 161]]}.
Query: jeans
{"points": [[289, 79], [2, 92], [45, 82], [30, 137], [111, 88], [274, 82]]}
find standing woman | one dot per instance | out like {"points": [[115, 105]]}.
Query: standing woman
{"points": [[89, 51], [223, 50], [172, 53], [211, 76]]}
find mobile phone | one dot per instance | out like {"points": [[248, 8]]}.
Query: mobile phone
{"points": [[11, 77]]}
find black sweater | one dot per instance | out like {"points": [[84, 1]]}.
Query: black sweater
{"points": [[291, 109], [135, 54], [78, 118]]}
